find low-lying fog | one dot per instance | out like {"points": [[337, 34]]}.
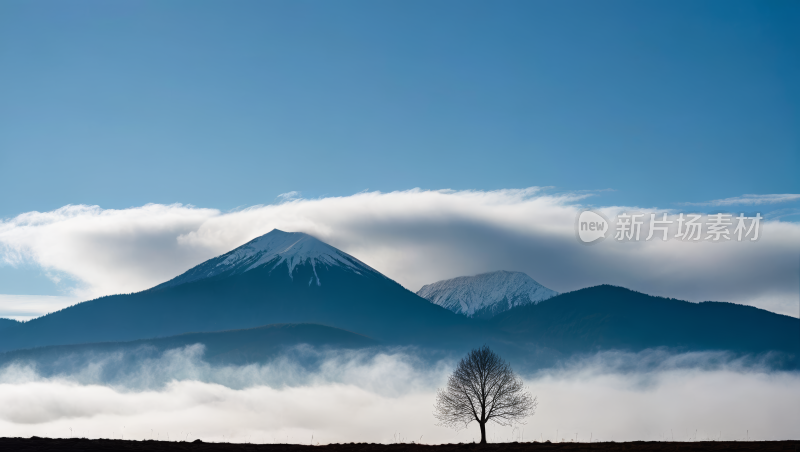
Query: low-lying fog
{"points": [[386, 396]]}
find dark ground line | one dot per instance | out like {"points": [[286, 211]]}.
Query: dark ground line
{"points": [[76, 444]]}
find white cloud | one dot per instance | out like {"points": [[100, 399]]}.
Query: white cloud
{"points": [[109, 251], [589, 398], [289, 196], [415, 237], [783, 213], [750, 200]]}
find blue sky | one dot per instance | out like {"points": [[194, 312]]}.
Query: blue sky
{"points": [[225, 105], [230, 104]]}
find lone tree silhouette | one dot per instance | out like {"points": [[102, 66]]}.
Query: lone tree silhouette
{"points": [[483, 388]]}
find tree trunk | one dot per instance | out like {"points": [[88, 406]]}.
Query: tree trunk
{"points": [[483, 432]]}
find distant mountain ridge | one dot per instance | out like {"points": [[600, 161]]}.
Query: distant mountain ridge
{"points": [[238, 347], [487, 294], [615, 318]]}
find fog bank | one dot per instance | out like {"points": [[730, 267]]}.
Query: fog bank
{"points": [[388, 396]]}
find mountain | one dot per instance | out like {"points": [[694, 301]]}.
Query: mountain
{"points": [[277, 249], [236, 347], [487, 294], [614, 318], [280, 277], [8, 323], [293, 278]]}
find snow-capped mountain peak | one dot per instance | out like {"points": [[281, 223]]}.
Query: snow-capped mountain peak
{"points": [[275, 248], [487, 294], [290, 247]]}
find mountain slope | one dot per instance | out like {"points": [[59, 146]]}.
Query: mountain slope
{"points": [[487, 294], [608, 317], [301, 282]]}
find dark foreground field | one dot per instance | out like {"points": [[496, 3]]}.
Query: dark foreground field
{"points": [[42, 444]]}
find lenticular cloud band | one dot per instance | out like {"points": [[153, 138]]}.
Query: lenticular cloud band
{"points": [[415, 237]]}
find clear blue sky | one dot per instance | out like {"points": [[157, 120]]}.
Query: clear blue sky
{"points": [[228, 104]]}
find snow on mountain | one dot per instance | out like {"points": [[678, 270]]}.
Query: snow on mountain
{"points": [[487, 294], [275, 248]]}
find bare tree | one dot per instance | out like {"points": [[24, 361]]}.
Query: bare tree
{"points": [[483, 388]]}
